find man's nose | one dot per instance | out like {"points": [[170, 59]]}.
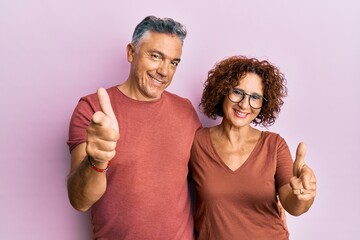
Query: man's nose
{"points": [[163, 68]]}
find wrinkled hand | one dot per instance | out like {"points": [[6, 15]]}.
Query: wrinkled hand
{"points": [[103, 132], [303, 183]]}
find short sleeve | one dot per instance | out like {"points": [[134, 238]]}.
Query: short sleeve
{"points": [[284, 164], [79, 122]]}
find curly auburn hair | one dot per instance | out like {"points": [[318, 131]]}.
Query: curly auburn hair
{"points": [[227, 74]]}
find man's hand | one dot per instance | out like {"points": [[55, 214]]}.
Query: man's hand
{"points": [[303, 183], [103, 132]]}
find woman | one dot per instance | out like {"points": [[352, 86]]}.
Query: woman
{"points": [[239, 171]]}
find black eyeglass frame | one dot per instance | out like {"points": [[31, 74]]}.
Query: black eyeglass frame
{"points": [[250, 96]]}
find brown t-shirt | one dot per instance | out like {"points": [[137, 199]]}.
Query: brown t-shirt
{"points": [[147, 195], [240, 204]]}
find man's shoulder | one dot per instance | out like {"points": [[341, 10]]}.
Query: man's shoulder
{"points": [[182, 107], [92, 97], [174, 97]]}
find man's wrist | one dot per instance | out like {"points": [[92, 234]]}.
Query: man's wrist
{"points": [[102, 167]]}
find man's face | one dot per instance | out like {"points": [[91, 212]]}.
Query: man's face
{"points": [[153, 64]]}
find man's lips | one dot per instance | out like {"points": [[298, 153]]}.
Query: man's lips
{"points": [[157, 81]]}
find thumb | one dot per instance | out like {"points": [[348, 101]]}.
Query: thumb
{"points": [[300, 159]]}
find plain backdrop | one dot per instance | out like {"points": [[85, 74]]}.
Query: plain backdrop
{"points": [[54, 52]]}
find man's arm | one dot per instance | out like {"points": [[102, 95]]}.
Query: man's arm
{"points": [[85, 184]]}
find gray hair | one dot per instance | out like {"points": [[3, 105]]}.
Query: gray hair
{"points": [[159, 25]]}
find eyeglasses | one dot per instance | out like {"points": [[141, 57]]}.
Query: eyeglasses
{"points": [[256, 101]]}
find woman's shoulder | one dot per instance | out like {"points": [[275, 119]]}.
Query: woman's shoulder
{"points": [[272, 136], [202, 132]]}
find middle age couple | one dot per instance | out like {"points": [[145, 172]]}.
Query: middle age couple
{"points": [[240, 173]]}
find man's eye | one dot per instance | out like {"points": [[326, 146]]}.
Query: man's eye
{"points": [[175, 63], [156, 56]]}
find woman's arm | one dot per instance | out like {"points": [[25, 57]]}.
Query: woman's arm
{"points": [[299, 194]]}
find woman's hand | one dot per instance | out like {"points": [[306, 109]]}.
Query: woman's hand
{"points": [[303, 183], [298, 196]]}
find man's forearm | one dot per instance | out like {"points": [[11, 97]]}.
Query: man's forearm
{"points": [[85, 186]]}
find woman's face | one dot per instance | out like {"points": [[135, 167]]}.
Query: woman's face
{"points": [[241, 114]]}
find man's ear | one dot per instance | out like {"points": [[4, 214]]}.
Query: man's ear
{"points": [[130, 51]]}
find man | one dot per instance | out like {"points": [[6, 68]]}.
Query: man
{"points": [[130, 144]]}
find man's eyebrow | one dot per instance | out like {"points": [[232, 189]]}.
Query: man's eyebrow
{"points": [[157, 51]]}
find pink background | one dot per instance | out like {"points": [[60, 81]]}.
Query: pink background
{"points": [[54, 52]]}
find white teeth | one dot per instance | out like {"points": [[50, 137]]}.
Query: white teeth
{"points": [[241, 113], [156, 80]]}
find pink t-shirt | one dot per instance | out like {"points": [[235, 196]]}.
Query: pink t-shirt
{"points": [[240, 204], [147, 195]]}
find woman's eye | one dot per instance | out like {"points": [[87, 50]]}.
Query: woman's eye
{"points": [[256, 97], [238, 92]]}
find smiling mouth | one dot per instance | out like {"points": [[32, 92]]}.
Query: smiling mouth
{"points": [[241, 114], [157, 81]]}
